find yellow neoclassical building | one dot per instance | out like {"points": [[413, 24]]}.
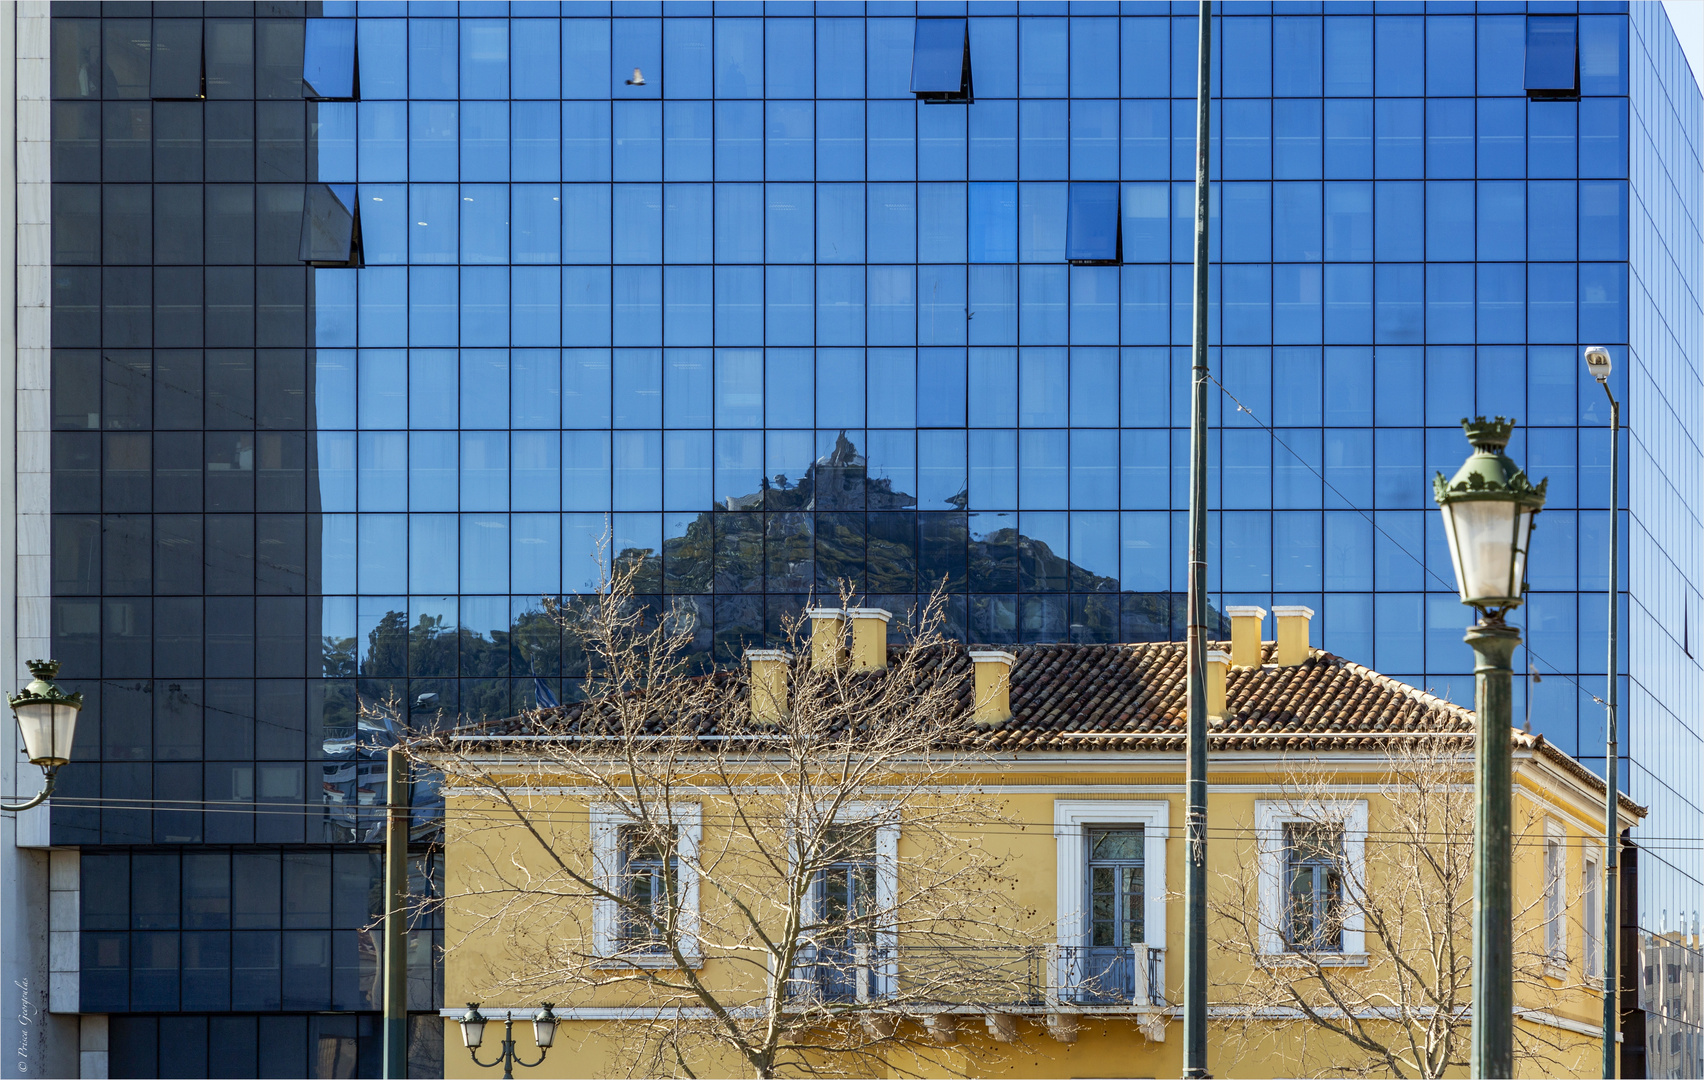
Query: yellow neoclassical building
{"points": [[636, 902]]}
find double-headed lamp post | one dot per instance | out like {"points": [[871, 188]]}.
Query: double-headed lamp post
{"points": [[1488, 507], [47, 719], [473, 1033]]}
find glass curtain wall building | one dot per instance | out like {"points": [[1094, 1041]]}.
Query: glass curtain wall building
{"points": [[371, 326]]}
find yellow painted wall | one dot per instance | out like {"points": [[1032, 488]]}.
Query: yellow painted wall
{"points": [[1110, 1047]]}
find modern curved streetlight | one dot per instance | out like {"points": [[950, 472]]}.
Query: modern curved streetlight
{"points": [[47, 719], [473, 1033], [1488, 509]]}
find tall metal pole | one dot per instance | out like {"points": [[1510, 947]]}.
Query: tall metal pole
{"points": [[396, 915], [1195, 876], [1492, 1045], [1612, 757]]}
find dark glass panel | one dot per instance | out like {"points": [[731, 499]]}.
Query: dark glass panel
{"points": [[281, 389], [125, 73], [127, 138], [281, 142], [230, 307], [281, 316], [177, 141], [278, 58], [76, 389], [229, 53], [255, 971], [256, 884], [281, 464], [178, 306], [330, 226], [127, 228], [76, 471], [177, 722], [280, 710], [230, 635], [76, 555], [278, 233], [177, 59], [76, 141], [178, 639], [175, 821], [177, 220], [230, 141], [76, 224], [76, 58], [127, 305]]}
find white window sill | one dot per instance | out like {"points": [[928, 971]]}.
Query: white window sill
{"points": [[1294, 959], [649, 961]]}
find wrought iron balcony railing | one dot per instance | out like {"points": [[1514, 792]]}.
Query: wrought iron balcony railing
{"points": [[1019, 978]]}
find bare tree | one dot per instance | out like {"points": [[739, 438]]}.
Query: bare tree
{"points": [[1400, 1006], [774, 878]]}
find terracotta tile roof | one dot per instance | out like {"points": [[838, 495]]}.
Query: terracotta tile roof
{"points": [[1080, 698], [1134, 697]]}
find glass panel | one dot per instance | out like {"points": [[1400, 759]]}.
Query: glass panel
{"points": [[1091, 231], [329, 225], [177, 59], [940, 63], [1550, 53], [328, 58]]}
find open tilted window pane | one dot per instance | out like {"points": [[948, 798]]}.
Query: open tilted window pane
{"points": [[331, 226], [1091, 228], [940, 60], [176, 68], [1552, 69], [328, 60]]}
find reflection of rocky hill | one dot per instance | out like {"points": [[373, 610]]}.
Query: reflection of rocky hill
{"points": [[733, 573], [837, 523]]}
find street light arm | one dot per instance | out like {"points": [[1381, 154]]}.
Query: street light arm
{"points": [[473, 1052], [45, 794], [531, 1064]]}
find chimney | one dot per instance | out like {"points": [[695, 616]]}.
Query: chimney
{"points": [[1292, 633], [869, 637], [1246, 622], [993, 701], [768, 684], [828, 635], [1218, 666]]}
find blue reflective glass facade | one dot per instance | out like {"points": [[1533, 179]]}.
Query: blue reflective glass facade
{"points": [[709, 290]]}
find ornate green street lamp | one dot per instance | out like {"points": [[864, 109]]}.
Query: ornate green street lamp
{"points": [[1488, 509], [473, 1033], [47, 720]]}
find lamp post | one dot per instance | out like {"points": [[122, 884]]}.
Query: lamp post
{"points": [[1598, 363], [1488, 509], [47, 719], [473, 1033]]}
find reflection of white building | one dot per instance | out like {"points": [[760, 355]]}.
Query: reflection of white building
{"points": [[353, 779]]}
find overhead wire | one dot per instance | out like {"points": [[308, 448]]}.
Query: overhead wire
{"points": [[1371, 520]]}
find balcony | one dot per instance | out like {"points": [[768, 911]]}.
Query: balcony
{"points": [[1055, 982]]}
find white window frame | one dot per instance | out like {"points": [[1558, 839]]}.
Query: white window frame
{"points": [[1555, 897], [886, 974], [607, 820], [1072, 819], [1270, 817], [1592, 894]]}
